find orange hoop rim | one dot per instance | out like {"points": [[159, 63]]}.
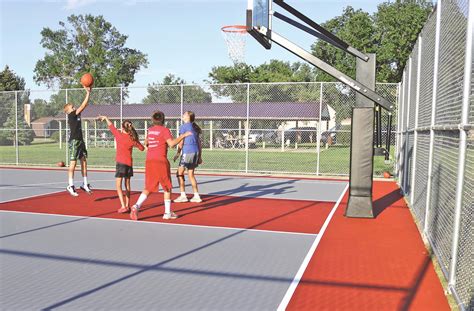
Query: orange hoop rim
{"points": [[234, 28]]}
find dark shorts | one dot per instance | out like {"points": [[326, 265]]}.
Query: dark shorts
{"points": [[77, 150], [123, 170], [189, 160]]}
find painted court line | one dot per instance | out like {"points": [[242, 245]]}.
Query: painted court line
{"points": [[49, 183], [31, 196], [291, 290], [164, 223]]}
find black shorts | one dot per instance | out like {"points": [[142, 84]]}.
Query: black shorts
{"points": [[123, 170], [189, 160], [77, 149]]}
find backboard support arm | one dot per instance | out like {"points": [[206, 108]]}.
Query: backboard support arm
{"points": [[315, 61], [333, 39]]}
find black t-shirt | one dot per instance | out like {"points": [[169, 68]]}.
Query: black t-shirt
{"points": [[74, 121]]}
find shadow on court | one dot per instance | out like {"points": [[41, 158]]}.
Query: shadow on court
{"points": [[387, 201]]}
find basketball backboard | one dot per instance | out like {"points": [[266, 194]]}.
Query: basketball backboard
{"points": [[259, 15]]}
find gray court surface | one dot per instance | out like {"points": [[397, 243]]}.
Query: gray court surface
{"points": [[60, 262], [16, 184]]}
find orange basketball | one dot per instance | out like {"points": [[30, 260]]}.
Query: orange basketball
{"points": [[386, 174], [87, 80], [61, 164]]}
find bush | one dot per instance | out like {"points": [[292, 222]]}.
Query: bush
{"points": [[55, 136]]}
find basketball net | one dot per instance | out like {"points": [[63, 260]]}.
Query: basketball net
{"points": [[234, 37]]}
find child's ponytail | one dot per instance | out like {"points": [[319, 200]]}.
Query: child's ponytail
{"points": [[130, 130]]}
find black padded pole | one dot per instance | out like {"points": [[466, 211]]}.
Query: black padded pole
{"points": [[362, 146]]}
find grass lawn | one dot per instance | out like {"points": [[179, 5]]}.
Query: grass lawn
{"points": [[333, 161]]}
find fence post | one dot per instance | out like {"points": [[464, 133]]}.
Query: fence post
{"points": [[17, 151], [282, 139], [182, 100], [66, 138], [60, 134], [121, 104], [397, 140], [86, 138], [433, 116], [210, 135], [318, 134], [407, 139], [247, 130], [415, 133], [401, 111], [463, 132]]}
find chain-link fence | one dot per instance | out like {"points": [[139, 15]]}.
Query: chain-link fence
{"points": [[278, 128], [435, 154]]}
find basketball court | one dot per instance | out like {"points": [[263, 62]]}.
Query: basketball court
{"points": [[257, 243]]}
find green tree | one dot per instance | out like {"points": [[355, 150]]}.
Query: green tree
{"points": [[25, 134], [274, 71], [397, 26], [11, 107], [391, 33], [9, 81], [354, 27], [169, 92], [41, 108], [87, 43]]}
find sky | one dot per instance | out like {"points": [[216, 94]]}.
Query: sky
{"points": [[182, 37]]}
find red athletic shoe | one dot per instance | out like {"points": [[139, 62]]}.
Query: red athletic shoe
{"points": [[134, 213], [123, 210]]}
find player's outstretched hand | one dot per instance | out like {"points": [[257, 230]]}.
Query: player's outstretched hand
{"points": [[87, 88], [188, 133], [102, 118]]}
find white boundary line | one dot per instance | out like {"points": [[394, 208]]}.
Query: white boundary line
{"points": [[31, 196], [291, 290], [162, 223], [48, 183]]}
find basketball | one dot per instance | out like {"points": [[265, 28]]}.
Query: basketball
{"points": [[87, 80], [386, 174], [60, 164]]}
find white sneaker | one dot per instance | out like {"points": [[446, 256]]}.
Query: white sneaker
{"points": [[196, 199], [72, 191], [87, 188], [181, 199], [169, 216]]}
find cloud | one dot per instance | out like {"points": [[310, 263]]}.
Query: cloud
{"points": [[74, 4]]}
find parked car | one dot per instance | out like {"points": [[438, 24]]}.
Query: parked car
{"points": [[309, 135]]}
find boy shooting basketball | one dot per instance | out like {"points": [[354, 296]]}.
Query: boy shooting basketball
{"points": [[77, 147]]}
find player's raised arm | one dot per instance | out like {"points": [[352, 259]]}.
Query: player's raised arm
{"points": [[173, 142], [85, 102]]}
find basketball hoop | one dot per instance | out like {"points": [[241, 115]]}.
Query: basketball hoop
{"points": [[234, 36]]}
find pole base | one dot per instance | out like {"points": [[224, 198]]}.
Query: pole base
{"points": [[359, 207]]}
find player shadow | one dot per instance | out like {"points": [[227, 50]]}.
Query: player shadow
{"points": [[81, 218], [381, 204], [211, 201], [405, 303], [408, 292], [257, 191], [158, 265]]}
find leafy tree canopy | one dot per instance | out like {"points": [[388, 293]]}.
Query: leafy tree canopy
{"points": [[87, 43]]}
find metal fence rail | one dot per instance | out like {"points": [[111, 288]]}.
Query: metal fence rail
{"points": [[275, 128], [435, 154]]}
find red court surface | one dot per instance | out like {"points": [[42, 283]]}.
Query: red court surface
{"points": [[371, 264], [219, 211]]}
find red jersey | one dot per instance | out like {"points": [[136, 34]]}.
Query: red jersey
{"points": [[125, 145], [157, 146]]}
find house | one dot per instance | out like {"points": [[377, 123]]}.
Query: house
{"points": [[45, 127]]}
